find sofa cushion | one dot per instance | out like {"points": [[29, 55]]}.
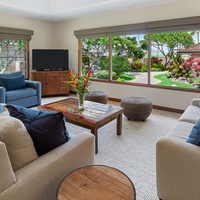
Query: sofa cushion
{"points": [[6, 172], [13, 83], [18, 142], [47, 129], [20, 94], [181, 131], [194, 137], [191, 114]]}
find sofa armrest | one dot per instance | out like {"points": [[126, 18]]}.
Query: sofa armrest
{"points": [[6, 172], [195, 102], [2, 95], [177, 169], [41, 178], [36, 85]]}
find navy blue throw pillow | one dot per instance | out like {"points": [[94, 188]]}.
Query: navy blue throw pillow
{"points": [[194, 137], [47, 129], [13, 83], [10, 75]]}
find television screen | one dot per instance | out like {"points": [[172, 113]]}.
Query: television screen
{"points": [[50, 59]]}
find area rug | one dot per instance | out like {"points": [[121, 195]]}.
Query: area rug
{"points": [[133, 152]]}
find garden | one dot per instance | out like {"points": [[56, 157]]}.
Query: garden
{"points": [[129, 56]]}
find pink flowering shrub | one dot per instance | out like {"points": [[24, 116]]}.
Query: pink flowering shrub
{"points": [[179, 69], [194, 64]]}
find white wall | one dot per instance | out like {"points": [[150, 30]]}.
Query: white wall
{"points": [[61, 35], [43, 31], [166, 98]]}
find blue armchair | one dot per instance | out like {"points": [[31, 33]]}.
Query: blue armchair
{"points": [[15, 90]]}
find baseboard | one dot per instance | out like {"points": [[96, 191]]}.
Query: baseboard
{"points": [[168, 109], [154, 106], [114, 99]]}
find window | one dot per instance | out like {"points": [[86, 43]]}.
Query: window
{"points": [[14, 46], [167, 61], [126, 54], [95, 56], [165, 53], [129, 58], [12, 56]]}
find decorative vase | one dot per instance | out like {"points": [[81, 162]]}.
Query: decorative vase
{"points": [[81, 98]]}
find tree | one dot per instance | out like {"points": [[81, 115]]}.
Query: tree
{"points": [[94, 49], [169, 43], [123, 46], [128, 47], [9, 52], [193, 33]]}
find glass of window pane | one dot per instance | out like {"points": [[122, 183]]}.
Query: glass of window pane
{"points": [[95, 56], [129, 58], [12, 56]]}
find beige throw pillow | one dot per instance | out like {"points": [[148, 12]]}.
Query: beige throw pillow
{"points": [[18, 142]]}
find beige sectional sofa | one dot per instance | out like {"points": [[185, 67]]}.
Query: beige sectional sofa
{"points": [[24, 175], [178, 162]]}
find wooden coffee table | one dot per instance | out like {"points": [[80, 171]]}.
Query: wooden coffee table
{"points": [[96, 182], [94, 116]]}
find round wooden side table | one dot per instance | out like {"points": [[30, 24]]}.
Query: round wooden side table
{"points": [[96, 182]]}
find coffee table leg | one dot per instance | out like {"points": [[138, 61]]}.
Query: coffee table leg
{"points": [[95, 133], [119, 125]]}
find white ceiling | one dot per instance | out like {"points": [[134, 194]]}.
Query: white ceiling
{"points": [[57, 10]]}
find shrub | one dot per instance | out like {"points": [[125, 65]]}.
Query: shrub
{"points": [[137, 65], [194, 64], [179, 70], [144, 68], [158, 67], [104, 74], [120, 64]]}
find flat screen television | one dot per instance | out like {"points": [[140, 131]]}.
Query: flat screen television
{"points": [[50, 59]]}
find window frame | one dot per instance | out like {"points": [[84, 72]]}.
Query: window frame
{"points": [[173, 25], [18, 34]]}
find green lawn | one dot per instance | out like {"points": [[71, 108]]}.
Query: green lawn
{"points": [[167, 82], [126, 77], [164, 81]]}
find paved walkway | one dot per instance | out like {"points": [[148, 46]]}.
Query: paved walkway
{"points": [[141, 77]]}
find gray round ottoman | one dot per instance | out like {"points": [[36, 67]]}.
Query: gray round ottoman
{"points": [[97, 96], [136, 108]]}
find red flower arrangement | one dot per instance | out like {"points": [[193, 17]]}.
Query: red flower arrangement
{"points": [[80, 81]]}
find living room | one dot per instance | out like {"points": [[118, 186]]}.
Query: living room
{"points": [[48, 34], [60, 34]]}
